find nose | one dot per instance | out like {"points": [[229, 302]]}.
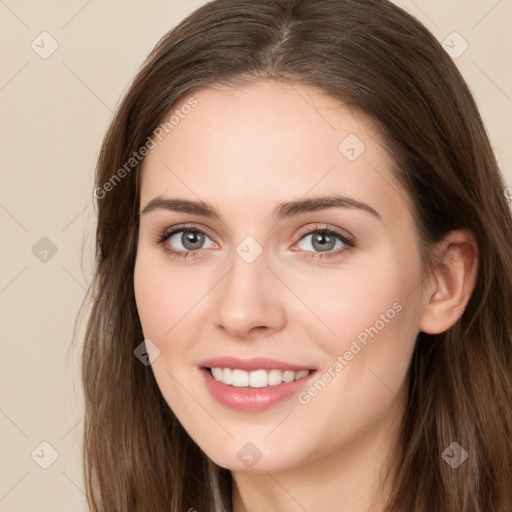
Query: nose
{"points": [[248, 301]]}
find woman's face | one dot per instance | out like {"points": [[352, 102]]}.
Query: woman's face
{"points": [[250, 179]]}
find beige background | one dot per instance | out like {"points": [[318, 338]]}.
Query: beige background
{"points": [[54, 113]]}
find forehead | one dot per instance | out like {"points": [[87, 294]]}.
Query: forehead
{"points": [[251, 146]]}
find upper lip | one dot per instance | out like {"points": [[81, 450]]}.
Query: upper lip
{"points": [[256, 363]]}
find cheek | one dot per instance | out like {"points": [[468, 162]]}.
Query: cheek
{"points": [[375, 318], [163, 300], [373, 315], [370, 294], [170, 304], [151, 298], [163, 296]]}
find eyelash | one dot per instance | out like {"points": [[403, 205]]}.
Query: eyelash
{"points": [[165, 235]]}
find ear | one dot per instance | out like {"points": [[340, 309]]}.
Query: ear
{"points": [[450, 287]]}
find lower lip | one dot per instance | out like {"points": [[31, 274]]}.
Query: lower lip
{"points": [[253, 399]]}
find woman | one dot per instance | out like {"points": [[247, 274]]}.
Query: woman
{"points": [[303, 273]]}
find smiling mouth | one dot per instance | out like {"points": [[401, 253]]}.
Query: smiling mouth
{"points": [[257, 378]]}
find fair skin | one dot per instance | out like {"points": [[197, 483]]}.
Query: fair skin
{"points": [[244, 151]]}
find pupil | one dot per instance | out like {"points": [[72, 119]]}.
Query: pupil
{"points": [[326, 241], [192, 240]]}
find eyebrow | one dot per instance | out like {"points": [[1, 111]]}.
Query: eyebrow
{"points": [[283, 209]]}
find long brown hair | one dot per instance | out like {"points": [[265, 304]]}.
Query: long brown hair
{"points": [[375, 57]]}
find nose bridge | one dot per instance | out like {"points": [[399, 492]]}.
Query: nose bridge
{"points": [[248, 297]]}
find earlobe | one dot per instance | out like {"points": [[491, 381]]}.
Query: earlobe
{"points": [[451, 283]]}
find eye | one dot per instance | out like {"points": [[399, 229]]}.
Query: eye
{"points": [[183, 241], [324, 240]]}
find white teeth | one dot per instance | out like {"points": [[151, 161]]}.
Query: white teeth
{"points": [[275, 377], [227, 375], [217, 373], [288, 376], [239, 378], [257, 378]]}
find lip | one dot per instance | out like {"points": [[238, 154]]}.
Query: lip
{"points": [[249, 399], [249, 365]]}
